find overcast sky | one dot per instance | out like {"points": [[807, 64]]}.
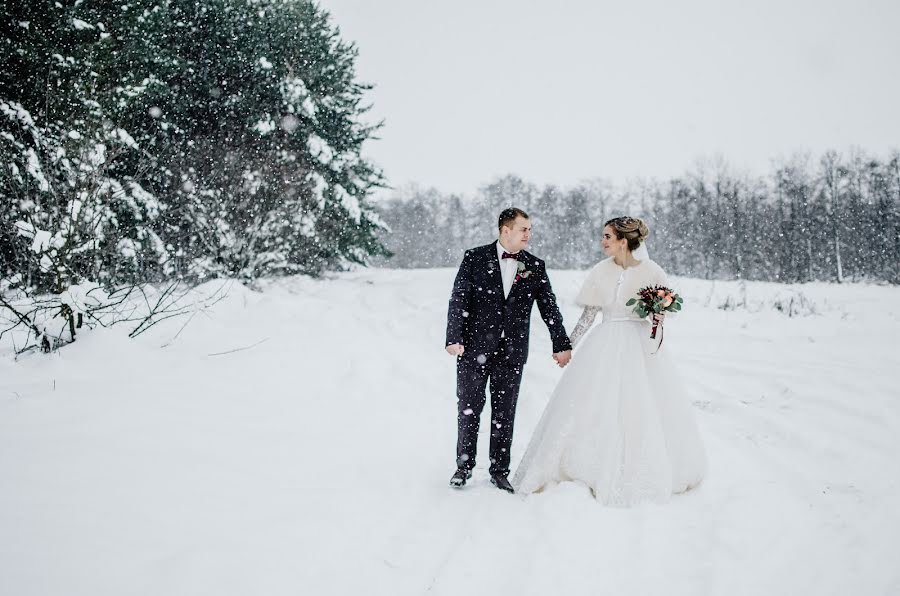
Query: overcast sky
{"points": [[562, 91]]}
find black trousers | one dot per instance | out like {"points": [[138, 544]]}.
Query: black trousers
{"points": [[472, 376]]}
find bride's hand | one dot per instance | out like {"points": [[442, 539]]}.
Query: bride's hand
{"points": [[658, 317]]}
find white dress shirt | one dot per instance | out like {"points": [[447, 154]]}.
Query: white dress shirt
{"points": [[508, 269]]}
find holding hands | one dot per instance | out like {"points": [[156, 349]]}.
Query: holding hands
{"points": [[562, 358]]}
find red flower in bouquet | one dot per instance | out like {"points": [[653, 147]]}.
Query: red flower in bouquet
{"points": [[655, 300]]}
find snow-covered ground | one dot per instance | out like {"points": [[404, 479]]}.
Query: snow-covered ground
{"points": [[317, 460]]}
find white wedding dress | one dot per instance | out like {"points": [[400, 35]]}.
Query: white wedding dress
{"points": [[619, 420]]}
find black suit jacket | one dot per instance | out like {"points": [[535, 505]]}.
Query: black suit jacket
{"points": [[479, 313]]}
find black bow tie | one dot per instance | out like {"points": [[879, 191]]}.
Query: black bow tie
{"points": [[507, 255]]}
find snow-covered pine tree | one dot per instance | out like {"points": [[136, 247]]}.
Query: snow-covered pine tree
{"points": [[262, 127], [164, 139], [70, 212], [226, 133]]}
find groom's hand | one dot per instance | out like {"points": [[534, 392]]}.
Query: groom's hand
{"points": [[455, 349], [562, 358]]}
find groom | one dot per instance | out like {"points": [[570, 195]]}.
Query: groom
{"points": [[487, 330]]}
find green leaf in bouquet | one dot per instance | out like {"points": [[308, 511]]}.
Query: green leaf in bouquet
{"points": [[630, 302]]}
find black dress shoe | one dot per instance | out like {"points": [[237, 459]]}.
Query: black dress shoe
{"points": [[459, 478], [502, 483]]}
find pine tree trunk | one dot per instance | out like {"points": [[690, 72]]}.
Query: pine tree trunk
{"points": [[837, 258], [809, 259]]}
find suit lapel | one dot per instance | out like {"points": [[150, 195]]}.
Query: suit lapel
{"points": [[494, 266], [526, 260]]}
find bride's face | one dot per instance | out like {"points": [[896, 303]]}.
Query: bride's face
{"points": [[612, 246]]}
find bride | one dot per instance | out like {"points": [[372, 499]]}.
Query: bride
{"points": [[619, 420]]}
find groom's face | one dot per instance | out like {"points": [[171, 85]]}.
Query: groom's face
{"points": [[517, 236]]}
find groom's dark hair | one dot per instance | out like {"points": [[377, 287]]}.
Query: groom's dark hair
{"points": [[508, 217]]}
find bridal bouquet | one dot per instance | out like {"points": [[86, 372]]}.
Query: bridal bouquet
{"points": [[655, 299]]}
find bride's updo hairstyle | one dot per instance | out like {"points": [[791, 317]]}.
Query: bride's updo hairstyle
{"points": [[632, 229]]}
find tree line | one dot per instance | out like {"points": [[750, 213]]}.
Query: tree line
{"points": [[829, 218]]}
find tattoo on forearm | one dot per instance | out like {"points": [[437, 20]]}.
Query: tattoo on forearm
{"points": [[584, 323]]}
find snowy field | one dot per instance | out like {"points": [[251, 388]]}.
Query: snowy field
{"points": [[317, 460]]}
